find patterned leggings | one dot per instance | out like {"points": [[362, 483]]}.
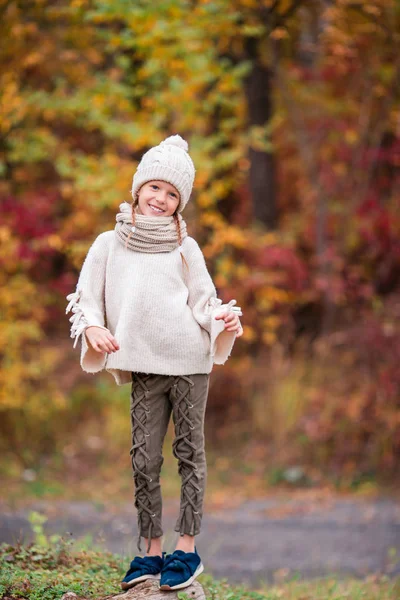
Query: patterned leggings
{"points": [[153, 398]]}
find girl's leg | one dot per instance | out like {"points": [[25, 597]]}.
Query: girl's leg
{"points": [[188, 397], [185, 543], [155, 546], [150, 413]]}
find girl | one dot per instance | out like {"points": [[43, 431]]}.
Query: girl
{"points": [[146, 310]]}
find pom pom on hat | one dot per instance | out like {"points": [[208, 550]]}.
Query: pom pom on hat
{"points": [[176, 140], [169, 161]]}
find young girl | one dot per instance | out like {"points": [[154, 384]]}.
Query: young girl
{"points": [[146, 310]]}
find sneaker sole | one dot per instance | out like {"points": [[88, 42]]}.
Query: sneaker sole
{"points": [[125, 585], [179, 586]]}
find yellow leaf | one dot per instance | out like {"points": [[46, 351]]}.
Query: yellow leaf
{"points": [[279, 33], [351, 136], [55, 241], [268, 337]]}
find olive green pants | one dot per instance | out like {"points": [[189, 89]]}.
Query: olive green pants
{"points": [[153, 398]]}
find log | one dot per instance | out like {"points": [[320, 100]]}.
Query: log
{"points": [[149, 590]]}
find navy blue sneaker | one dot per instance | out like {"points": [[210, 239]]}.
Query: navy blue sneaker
{"points": [[180, 570], [148, 567]]}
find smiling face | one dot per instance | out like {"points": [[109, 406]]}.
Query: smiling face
{"points": [[159, 195]]}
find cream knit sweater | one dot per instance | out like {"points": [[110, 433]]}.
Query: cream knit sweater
{"points": [[162, 316]]}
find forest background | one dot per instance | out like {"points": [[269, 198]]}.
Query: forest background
{"points": [[292, 114]]}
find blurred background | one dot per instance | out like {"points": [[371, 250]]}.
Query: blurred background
{"points": [[292, 114]]}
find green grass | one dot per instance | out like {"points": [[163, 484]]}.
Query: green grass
{"points": [[51, 566]]}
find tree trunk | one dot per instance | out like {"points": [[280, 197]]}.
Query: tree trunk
{"points": [[262, 164]]}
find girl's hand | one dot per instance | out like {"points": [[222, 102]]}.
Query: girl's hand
{"points": [[101, 340], [232, 322]]}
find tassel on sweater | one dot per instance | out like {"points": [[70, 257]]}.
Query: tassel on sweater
{"points": [[78, 320], [230, 307]]}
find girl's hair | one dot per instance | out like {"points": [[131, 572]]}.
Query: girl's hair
{"points": [[178, 228]]}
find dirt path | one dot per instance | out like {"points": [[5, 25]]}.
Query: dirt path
{"points": [[260, 540]]}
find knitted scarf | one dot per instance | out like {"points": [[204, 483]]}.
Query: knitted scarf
{"points": [[150, 234]]}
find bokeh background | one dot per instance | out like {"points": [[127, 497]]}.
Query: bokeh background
{"points": [[292, 114]]}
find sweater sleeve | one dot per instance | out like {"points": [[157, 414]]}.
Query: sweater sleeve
{"points": [[87, 304], [206, 306]]}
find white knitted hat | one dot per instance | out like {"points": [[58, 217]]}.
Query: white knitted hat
{"points": [[169, 161]]}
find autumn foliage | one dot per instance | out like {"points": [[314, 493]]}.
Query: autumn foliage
{"points": [[87, 87]]}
